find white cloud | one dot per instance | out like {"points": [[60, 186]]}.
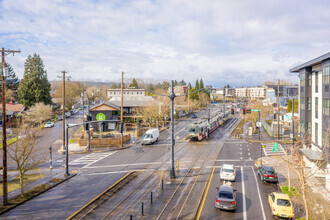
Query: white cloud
{"points": [[234, 42]]}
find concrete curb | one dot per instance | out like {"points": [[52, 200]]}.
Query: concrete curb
{"points": [[21, 203]]}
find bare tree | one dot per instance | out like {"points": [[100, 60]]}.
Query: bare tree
{"points": [[38, 114], [297, 162], [72, 94], [23, 153]]}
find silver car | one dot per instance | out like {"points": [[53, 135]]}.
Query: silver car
{"points": [[226, 198]]}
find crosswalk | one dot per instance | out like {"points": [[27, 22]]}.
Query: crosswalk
{"points": [[269, 150], [90, 159]]}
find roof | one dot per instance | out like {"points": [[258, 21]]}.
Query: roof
{"points": [[112, 105], [281, 195], [312, 154], [226, 188], [229, 166], [133, 101], [14, 107], [310, 63]]}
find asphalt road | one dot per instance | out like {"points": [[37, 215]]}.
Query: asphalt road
{"points": [[252, 201], [96, 172]]}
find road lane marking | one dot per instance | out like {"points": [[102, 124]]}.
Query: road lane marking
{"points": [[223, 160], [207, 189], [262, 206], [112, 172], [243, 195]]}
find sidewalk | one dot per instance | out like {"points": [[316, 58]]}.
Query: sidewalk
{"points": [[263, 134], [49, 175], [281, 168]]}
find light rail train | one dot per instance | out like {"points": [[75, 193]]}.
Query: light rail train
{"points": [[198, 130]]}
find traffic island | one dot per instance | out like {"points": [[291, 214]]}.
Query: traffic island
{"points": [[32, 193]]}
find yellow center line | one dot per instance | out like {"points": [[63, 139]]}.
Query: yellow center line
{"points": [[207, 189]]}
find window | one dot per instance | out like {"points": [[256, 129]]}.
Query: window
{"points": [[326, 88], [316, 106], [316, 82], [309, 127], [309, 103], [302, 103], [283, 202], [326, 75], [302, 89], [114, 93], [309, 79], [326, 107], [316, 131]]}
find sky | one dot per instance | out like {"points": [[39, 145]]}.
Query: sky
{"points": [[241, 43]]}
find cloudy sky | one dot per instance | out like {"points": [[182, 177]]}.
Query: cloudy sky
{"points": [[236, 42]]}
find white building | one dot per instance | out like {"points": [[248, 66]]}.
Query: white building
{"points": [[241, 92], [256, 92], [127, 93]]}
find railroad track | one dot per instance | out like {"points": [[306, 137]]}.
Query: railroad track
{"points": [[168, 211]]}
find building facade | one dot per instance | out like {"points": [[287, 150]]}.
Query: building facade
{"points": [[127, 92], [241, 92], [314, 101], [256, 92]]}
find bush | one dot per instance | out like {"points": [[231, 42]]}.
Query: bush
{"points": [[293, 192]]}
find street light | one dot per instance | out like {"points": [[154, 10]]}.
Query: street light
{"points": [[172, 96]]}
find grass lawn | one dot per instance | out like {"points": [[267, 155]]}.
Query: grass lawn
{"points": [[14, 184], [293, 192]]}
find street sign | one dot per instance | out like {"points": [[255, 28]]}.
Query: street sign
{"points": [[291, 135], [258, 124], [100, 117], [255, 110], [248, 111], [276, 149], [250, 131]]}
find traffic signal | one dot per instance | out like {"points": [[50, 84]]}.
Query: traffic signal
{"points": [[103, 126], [243, 111], [89, 118], [86, 126], [232, 111], [121, 127]]}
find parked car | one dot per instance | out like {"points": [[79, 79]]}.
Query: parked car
{"points": [[75, 111], [67, 114], [194, 115], [228, 172], [281, 205], [60, 117], [267, 173], [151, 136], [49, 124], [226, 198]]}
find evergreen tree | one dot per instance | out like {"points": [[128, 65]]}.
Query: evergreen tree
{"points": [[114, 86], [134, 84], [34, 87], [165, 85], [11, 79], [201, 84], [196, 85], [175, 83], [189, 87]]}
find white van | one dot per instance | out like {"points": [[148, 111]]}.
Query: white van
{"points": [[151, 136]]}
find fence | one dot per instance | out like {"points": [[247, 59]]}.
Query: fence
{"points": [[102, 142]]}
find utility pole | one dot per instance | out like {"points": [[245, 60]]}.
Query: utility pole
{"points": [[172, 97], [88, 130], [292, 128], [259, 125], [121, 107], [209, 123], [278, 109], [82, 102], [4, 131], [63, 106]]}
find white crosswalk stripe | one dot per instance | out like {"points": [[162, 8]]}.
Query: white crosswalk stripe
{"points": [[268, 150], [91, 159]]}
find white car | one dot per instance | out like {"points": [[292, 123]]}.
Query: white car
{"points": [[228, 172], [49, 124]]}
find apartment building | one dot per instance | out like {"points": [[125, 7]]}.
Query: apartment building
{"points": [[314, 101], [256, 92], [241, 92], [127, 92]]}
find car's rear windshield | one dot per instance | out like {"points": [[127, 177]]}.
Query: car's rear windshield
{"points": [[226, 195], [193, 130], [270, 172], [228, 170], [283, 202]]}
